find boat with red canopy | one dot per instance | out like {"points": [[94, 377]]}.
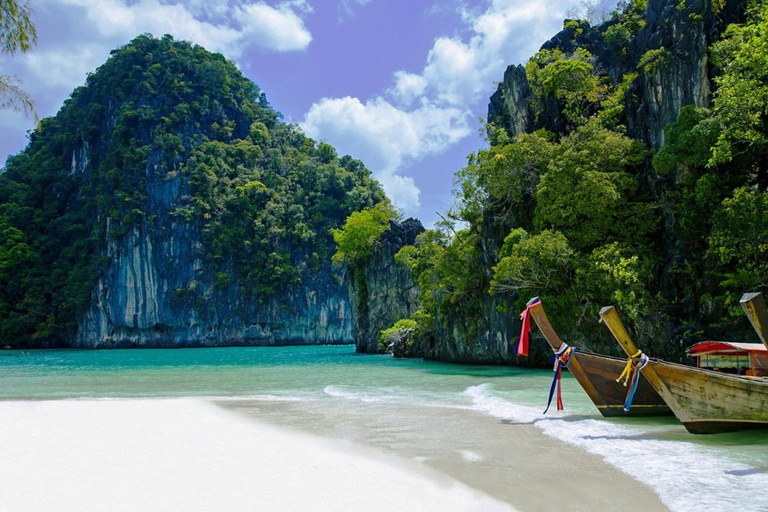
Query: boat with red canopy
{"points": [[749, 359], [709, 400]]}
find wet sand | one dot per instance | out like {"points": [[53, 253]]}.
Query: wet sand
{"points": [[511, 462]]}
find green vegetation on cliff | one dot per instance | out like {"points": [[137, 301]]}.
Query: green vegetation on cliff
{"points": [[356, 239], [261, 196], [579, 213]]}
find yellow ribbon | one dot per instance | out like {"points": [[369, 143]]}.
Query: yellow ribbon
{"points": [[628, 368]]}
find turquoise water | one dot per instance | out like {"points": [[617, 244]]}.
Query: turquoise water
{"points": [[237, 372], [682, 468]]}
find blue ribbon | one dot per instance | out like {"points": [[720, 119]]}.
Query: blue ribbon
{"points": [[559, 365], [554, 384], [635, 382]]}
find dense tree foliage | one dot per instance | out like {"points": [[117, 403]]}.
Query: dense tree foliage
{"points": [[400, 332], [571, 79], [170, 118], [356, 239], [741, 99], [588, 216]]}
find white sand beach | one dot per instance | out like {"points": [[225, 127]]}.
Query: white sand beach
{"points": [[193, 455], [173, 455]]}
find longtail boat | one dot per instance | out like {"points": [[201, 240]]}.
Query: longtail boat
{"points": [[597, 375], [705, 401]]}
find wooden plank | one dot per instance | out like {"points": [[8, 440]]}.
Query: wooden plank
{"points": [[585, 381], [716, 402], [596, 374], [754, 307], [542, 321], [611, 319]]}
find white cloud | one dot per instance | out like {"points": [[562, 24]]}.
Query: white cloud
{"points": [[408, 87], [386, 137], [402, 190], [116, 22], [277, 28], [429, 112], [508, 32], [60, 69]]}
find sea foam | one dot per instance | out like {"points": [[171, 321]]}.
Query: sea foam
{"points": [[671, 468]]}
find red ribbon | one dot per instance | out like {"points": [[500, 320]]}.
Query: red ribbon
{"points": [[525, 316], [522, 344]]}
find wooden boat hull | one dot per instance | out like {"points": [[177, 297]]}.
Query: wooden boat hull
{"points": [[705, 401], [597, 375], [708, 402]]}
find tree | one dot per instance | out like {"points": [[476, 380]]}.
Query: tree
{"points": [[356, 238], [400, 332], [739, 240], [571, 79], [587, 193], [741, 99], [17, 33]]}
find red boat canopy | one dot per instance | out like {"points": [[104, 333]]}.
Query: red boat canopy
{"points": [[725, 348]]}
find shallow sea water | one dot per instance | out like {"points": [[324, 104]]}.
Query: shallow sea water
{"points": [[716, 472]]}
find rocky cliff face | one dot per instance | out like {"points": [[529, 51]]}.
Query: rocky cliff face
{"points": [[157, 292], [383, 292], [664, 52], [680, 32], [175, 209], [681, 78], [509, 106]]}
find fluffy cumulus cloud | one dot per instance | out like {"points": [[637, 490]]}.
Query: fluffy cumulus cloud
{"points": [[279, 28], [461, 71], [386, 137], [408, 87], [509, 31], [427, 112]]}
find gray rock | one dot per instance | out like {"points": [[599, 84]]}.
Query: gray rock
{"points": [[383, 292]]}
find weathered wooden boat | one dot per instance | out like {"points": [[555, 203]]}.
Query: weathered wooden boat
{"points": [[705, 401], [597, 375]]}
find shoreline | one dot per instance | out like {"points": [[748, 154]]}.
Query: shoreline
{"points": [[206, 454], [515, 463]]}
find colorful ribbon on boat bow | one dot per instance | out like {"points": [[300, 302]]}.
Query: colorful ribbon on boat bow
{"points": [[563, 358], [632, 372], [525, 316]]}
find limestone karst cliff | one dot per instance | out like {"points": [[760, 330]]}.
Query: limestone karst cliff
{"points": [[618, 172], [167, 204], [382, 291], [678, 34]]}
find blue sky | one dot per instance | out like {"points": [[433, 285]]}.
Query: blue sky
{"points": [[399, 84]]}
